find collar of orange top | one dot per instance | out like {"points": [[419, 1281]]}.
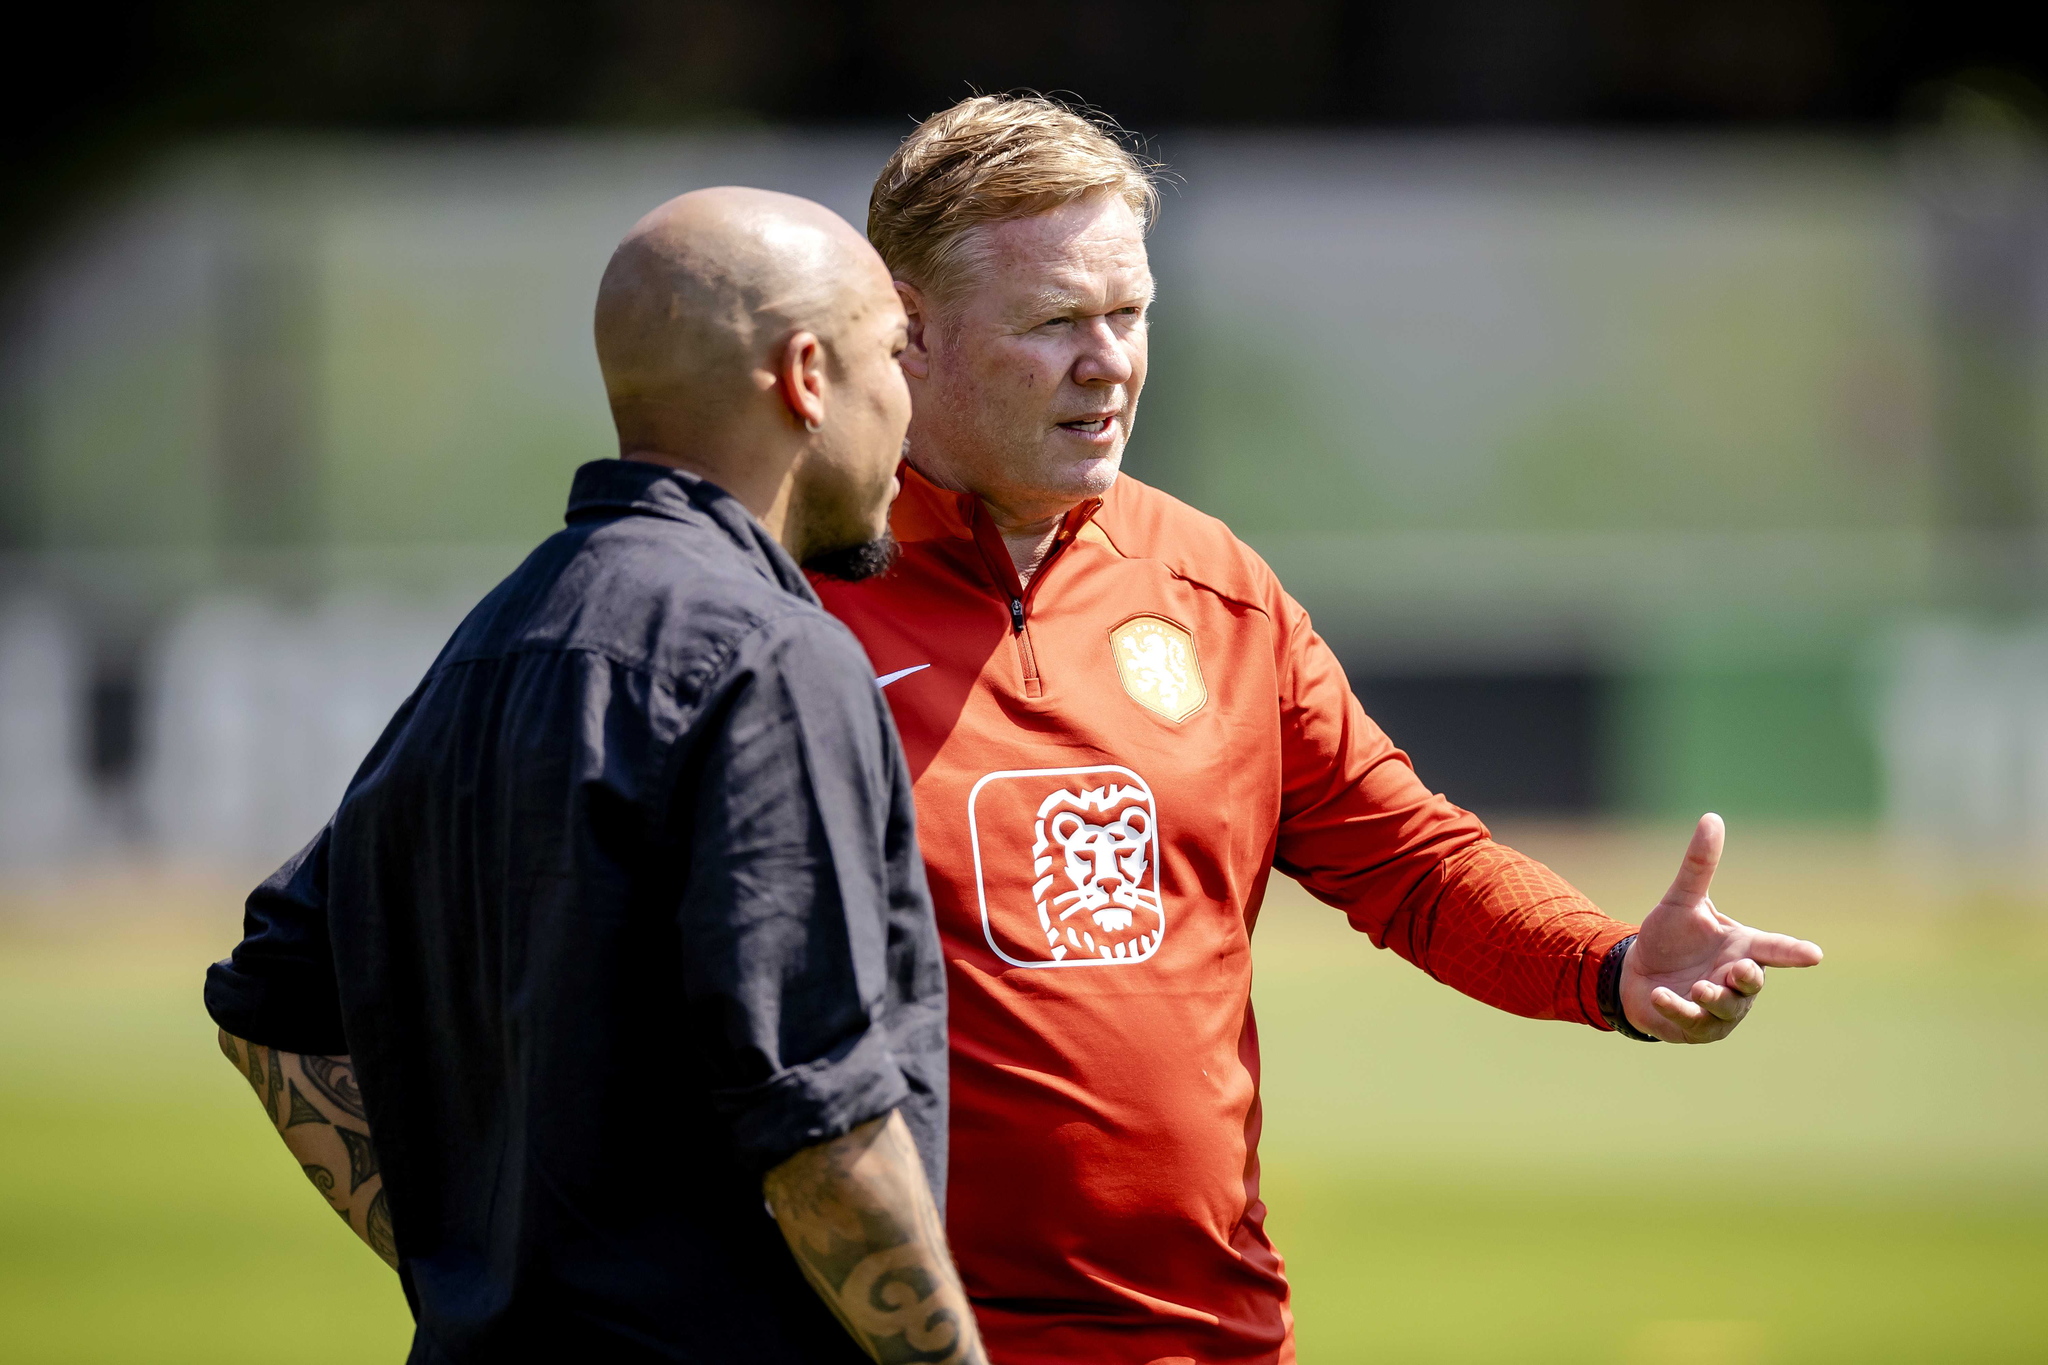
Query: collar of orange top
{"points": [[925, 511]]}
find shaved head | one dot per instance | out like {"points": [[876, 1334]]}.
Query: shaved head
{"points": [[750, 337], [702, 287]]}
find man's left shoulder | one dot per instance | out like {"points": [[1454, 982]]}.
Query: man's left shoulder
{"points": [[1142, 522]]}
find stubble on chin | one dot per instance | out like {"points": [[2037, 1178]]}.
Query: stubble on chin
{"points": [[1016, 463], [1085, 476], [834, 540], [854, 563]]}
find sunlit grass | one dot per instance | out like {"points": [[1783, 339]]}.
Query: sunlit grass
{"points": [[149, 1215], [1859, 1174]]}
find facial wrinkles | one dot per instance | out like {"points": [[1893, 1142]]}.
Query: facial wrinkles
{"points": [[1040, 341]]}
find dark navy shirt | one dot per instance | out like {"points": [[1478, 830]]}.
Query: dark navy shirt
{"points": [[623, 909]]}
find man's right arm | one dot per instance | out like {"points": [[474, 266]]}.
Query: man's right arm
{"points": [[323, 1124], [858, 1216], [806, 1024], [1414, 872], [1424, 879]]}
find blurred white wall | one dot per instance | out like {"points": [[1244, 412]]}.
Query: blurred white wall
{"points": [[1963, 711], [46, 810], [259, 715], [1485, 404]]}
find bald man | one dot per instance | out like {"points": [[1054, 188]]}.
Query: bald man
{"points": [[608, 1008]]}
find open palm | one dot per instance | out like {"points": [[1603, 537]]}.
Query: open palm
{"points": [[1693, 973]]}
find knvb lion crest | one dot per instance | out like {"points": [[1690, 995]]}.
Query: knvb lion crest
{"points": [[1156, 662], [1066, 866]]}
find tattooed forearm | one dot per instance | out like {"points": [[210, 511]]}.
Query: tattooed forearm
{"points": [[258, 1075], [362, 1157], [274, 1085], [377, 1229], [336, 1081], [859, 1217], [303, 1109], [318, 1094]]}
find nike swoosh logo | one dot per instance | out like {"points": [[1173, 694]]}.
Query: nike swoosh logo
{"points": [[888, 678]]}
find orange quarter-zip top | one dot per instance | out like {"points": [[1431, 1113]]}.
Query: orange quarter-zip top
{"points": [[1108, 764]]}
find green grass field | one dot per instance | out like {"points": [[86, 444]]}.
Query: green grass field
{"points": [[1861, 1174]]}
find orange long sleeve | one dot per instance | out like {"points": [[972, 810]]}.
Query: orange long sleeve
{"points": [[1414, 872]]}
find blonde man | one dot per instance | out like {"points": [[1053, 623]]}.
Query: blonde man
{"points": [[1118, 724]]}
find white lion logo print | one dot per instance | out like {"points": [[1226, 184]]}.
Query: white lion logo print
{"points": [[1066, 866]]}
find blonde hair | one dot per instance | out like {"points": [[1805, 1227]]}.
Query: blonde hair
{"points": [[989, 159]]}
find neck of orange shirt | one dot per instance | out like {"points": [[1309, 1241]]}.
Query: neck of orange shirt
{"points": [[1027, 534], [1029, 545]]}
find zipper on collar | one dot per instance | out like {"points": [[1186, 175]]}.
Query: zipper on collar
{"points": [[1027, 658], [1003, 570]]}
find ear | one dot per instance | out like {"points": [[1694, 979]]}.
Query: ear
{"points": [[916, 358], [800, 379]]}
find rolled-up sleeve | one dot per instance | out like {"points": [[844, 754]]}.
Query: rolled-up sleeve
{"points": [[784, 917], [278, 988]]}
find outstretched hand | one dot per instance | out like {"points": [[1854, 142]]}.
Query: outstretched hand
{"points": [[1693, 973]]}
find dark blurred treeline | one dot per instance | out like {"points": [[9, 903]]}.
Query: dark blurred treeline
{"points": [[103, 86]]}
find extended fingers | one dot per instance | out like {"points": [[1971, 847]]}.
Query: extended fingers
{"points": [[1782, 950], [1702, 856]]}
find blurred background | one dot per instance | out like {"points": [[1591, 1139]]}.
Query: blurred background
{"points": [[1649, 401]]}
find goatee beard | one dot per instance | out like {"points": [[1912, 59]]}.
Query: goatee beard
{"points": [[852, 563]]}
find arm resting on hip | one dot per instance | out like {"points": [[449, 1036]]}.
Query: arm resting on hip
{"points": [[860, 1219], [318, 1111]]}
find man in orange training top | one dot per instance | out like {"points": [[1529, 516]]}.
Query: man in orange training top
{"points": [[1118, 723]]}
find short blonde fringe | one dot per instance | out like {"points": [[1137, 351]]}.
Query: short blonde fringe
{"points": [[989, 159]]}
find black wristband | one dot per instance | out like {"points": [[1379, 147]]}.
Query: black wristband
{"points": [[1610, 994]]}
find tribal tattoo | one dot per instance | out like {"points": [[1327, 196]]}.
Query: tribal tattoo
{"points": [[274, 1085], [860, 1221], [336, 1081], [318, 1094], [257, 1077], [362, 1157], [303, 1109], [377, 1230]]}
